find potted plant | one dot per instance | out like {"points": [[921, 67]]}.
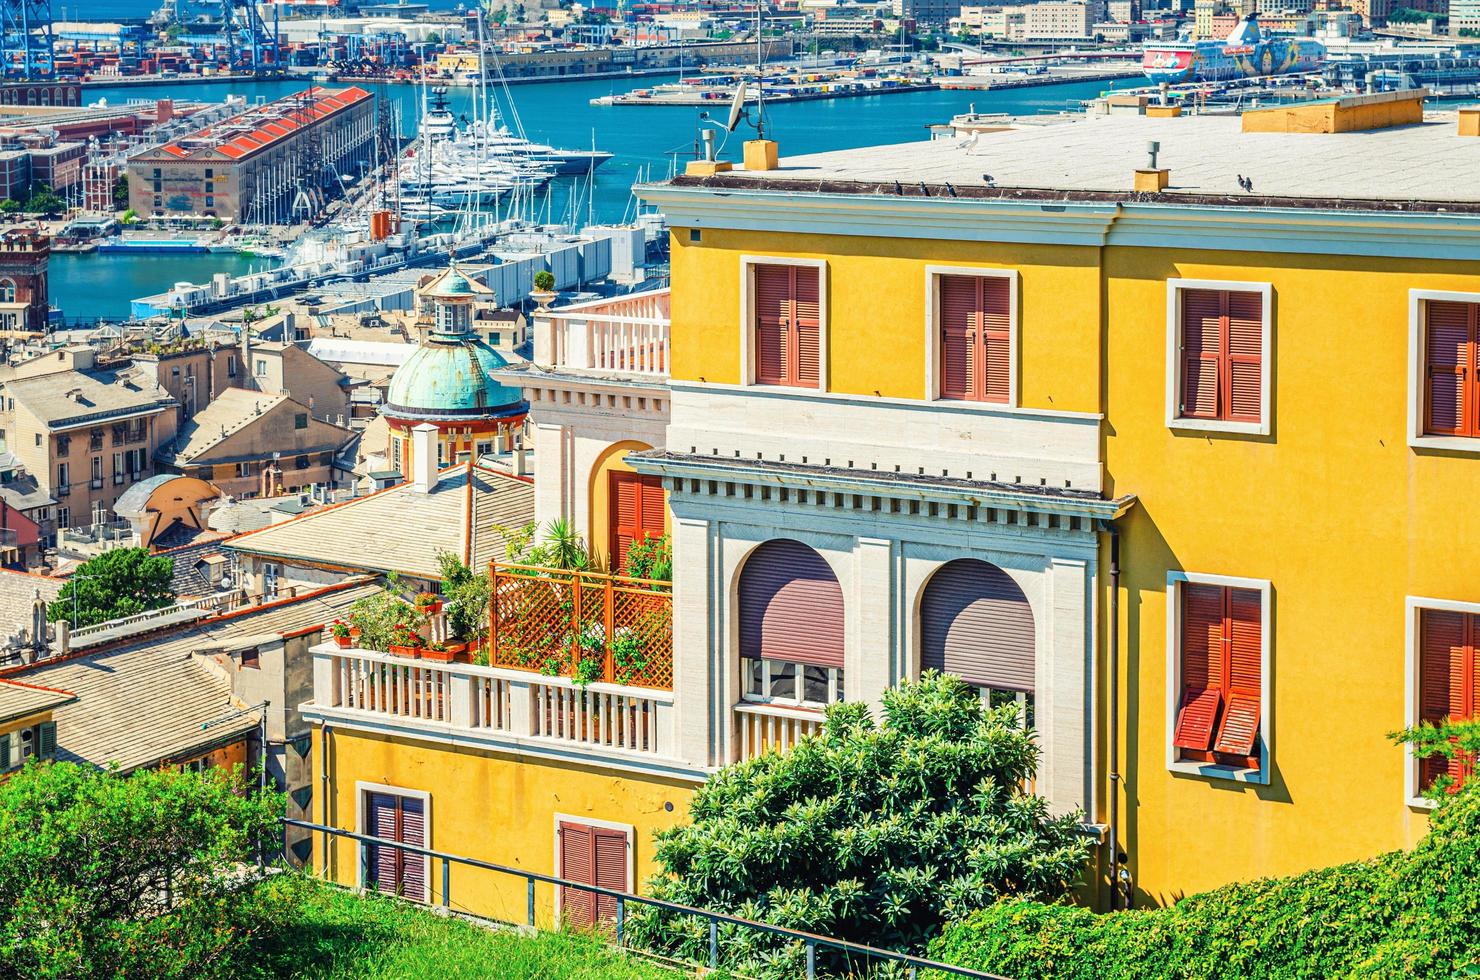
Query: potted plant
{"points": [[428, 603], [544, 288], [405, 641], [437, 653], [341, 631]]}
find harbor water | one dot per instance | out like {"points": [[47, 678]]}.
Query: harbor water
{"points": [[646, 141]]}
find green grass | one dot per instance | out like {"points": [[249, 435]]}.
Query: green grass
{"points": [[337, 935]]}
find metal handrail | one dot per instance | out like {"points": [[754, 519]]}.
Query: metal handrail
{"points": [[810, 940]]}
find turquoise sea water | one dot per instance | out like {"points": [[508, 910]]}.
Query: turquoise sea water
{"points": [[644, 139]]}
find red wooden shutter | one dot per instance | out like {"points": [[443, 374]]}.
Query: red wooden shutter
{"points": [[959, 317], [791, 606], [1244, 631], [1447, 680], [413, 866], [996, 339], [1451, 387], [610, 858], [653, 508], [1202, 667], [636, 511], [1202, 313], [384, 868], [576, 864], [807, 326], [772, 285], [1245, 340]]}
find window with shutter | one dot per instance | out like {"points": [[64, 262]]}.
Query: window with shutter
{"points": [[591, 856], [1221, 351], [1221, 658], [1451, 369], [787, 328], [975, 338], [791, 606], [1447, 676], [637, 509], [391, 869]]}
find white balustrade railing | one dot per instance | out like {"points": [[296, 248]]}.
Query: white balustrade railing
{"points": [[761, 728], [495, 700], [624, 335]]}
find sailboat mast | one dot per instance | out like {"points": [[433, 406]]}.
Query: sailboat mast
{"points": [[760, 74]]}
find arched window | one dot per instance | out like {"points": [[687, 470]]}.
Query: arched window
{"points": [[791, 626], [7, 291], [976, 623]]}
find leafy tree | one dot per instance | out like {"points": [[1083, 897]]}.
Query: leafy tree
{"points": [[44, 200], [120, 192], [466, 592], [874, 832], [1401, 914], [434, 38], [382, 614], [143, 876], [116, 583], [10, 206]]}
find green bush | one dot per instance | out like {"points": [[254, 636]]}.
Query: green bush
{"points": [[876, 832], [1403, 914], [150, 875]]}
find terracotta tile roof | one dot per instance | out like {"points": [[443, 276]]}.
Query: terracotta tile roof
{"points": [[277, 120]]}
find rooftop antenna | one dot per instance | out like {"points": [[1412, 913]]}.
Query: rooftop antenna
{"points": [[760, 75]]}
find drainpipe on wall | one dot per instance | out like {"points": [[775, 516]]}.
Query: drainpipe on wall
{"points": [[1114, 748], [324, 789]]}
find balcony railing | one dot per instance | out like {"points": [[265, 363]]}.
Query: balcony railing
{"points": [[585, 625], [761, 728], [624, 335], [493, 700]]}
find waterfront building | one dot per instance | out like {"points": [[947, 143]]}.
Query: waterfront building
{"points": [[277, 163], [84, 431], [449, 381]]}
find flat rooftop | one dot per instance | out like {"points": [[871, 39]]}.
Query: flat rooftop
{"points": [[1419, 167]]}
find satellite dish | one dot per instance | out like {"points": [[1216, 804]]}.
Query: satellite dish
{"points": [[737, 107]]}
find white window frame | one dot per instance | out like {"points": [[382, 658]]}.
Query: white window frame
{"points": [[1175, 582], [1413, 606], [747, 317], [362, 824], [796, 702], [1175, 289], [1417, 342], [625, 828], [933, 274]]}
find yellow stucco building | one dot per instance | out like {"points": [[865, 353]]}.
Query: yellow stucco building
{"points": [[1181, 473]]}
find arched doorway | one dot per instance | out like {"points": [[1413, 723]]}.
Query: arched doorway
{"points": [[976, 623], [791, 626]]}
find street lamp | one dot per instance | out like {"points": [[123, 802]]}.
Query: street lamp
{"points": [[73, 579]]}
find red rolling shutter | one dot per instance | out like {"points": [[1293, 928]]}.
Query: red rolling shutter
{"points": [[788, 325], [1447, 680], [577, 863], [976, 623], [1451, 386], [975, 338], [1202, 667], [610, 859], [772, 284], [807, 326], [1202, 311], [1245, 333], [1222, 354], [791, 606], [637, 506]]}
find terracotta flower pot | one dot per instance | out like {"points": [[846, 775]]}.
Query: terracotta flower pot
{"points": [[400, 651], [437, 656], [343, 641], [430, 608]]}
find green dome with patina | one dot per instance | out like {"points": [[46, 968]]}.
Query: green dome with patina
{"points": [[453, 379]]}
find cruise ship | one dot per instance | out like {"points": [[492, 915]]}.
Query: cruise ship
{"points": [[1247, 52]]}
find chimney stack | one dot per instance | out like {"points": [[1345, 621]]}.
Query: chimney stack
{"points": [[423, 458]]}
